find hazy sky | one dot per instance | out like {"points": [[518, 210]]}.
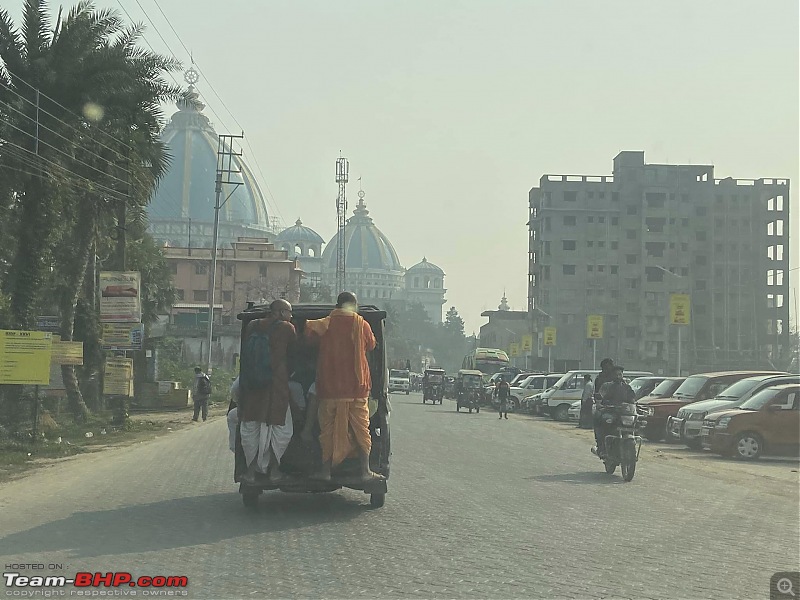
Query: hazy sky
{"points": [[452, 110]]}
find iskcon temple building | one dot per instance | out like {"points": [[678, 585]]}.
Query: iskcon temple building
{"points": [[181, 217]]}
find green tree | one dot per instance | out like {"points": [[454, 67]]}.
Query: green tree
{"points": [[453, 323], [96, 151]]}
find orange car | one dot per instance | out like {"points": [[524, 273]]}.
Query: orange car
{"points": [[702, 386], [768, 423]]}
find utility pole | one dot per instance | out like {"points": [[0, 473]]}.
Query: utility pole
{"points": [[226, 169], [342, 171]]}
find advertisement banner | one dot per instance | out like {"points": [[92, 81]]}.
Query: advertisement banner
{"points": [[66, 353], [527, 343], [119, 297], [594, 327], [514, 349], [25, 357], [122, 336], [118, 380], [51, 323], [549, 336], [680, 308]]}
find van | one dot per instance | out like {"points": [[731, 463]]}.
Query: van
{"points": [[557, 400]]}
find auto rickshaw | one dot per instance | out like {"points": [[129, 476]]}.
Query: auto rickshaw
{"points": [[469, 390], [433, 385], [302, 460]]}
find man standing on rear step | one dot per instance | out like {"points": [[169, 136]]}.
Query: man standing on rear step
{"points": [[201, 390]]}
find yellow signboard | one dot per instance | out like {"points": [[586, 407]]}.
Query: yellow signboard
{"points": [[118, 380], [527, 343], [25, 357], [66, 353], [123, 336], [594, 327], [514, 349], [680, 308], [549, 336]]}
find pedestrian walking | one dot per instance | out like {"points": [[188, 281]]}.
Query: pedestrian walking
{"points": [[201, 391], [503, 392]]}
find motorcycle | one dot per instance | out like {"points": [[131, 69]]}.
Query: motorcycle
{"points": [[622, 445]]}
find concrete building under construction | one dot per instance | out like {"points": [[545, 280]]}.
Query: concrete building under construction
{"points": [[619, 245]]}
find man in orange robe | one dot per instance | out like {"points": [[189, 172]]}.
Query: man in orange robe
{"points": [[343, 384]]}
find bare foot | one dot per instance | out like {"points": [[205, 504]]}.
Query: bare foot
{"points": [[372, 476]]}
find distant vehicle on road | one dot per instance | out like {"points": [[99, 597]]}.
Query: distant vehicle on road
{"points": [[486, 360], [399, 381]]}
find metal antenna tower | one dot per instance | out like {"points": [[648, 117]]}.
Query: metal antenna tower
{"points": [[226, 169], [342, 171]]}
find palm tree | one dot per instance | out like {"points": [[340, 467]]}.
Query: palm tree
{"points": [[94, 99]]}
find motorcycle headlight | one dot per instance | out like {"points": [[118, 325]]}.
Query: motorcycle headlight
{"points": [[628, 420], [608, 418], [723, 422]]}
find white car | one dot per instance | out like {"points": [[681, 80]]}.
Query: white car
{"points": [[399, 381], [574, 412]]}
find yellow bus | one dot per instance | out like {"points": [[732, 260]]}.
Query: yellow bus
{"points": [[486, 360]]}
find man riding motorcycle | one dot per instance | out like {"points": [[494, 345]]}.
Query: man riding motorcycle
{"points": [[612, 393]]}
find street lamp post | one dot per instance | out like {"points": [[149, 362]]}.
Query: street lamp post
{"points": [[678, 326]]}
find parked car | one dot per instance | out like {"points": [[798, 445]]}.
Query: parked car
{"points": [[666, 388], [642, 386], [768, 423], [702, 386], [531, 401], [688, 424], [557, 400], [531, 385], [574, 412]]}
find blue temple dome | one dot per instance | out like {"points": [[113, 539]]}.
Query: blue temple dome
{"points": [[187, 190], [366, 247]]}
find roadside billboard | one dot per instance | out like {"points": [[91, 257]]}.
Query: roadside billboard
{"points": [[120, 300], [118, 377], [594, 327], [680, 309], [25, 357], [549, 336], [122, 336]]}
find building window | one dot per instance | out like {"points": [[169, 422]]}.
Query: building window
{"points": [[614, 269], [631, 332], [546, 272], [602, 194], [601, 219], [570, 196], [684, 246], [547, 223], [655, 200], [227, 296], [614, 245], [701, 260], [200, 295], [700, 285], [632, 283], [615, 220], [601, 268], [179, 294], [701, 236], [684, 222], [615, 293], [632, 210], [569, 221], [630, 259], [547, 248], [701, 211], [655, 249], [630, 234], [590, 219], [569, 244], [590, 268], [684, 272], [201, 269], [568, 269], [589, 244], [655, 225], [654, 274], [601, 244], [229, 270]]}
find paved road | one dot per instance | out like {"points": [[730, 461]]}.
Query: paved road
{"points": [[477, 508]]}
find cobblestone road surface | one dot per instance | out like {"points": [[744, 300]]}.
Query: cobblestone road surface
{"points": [[477, 508]]}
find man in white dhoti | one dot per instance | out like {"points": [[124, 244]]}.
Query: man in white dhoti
{"points": [[264, 412]]}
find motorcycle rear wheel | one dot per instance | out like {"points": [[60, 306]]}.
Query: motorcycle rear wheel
{"points": [[610, 467]]}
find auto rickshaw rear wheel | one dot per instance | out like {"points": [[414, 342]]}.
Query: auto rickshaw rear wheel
{"points": [[377, 500]]}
